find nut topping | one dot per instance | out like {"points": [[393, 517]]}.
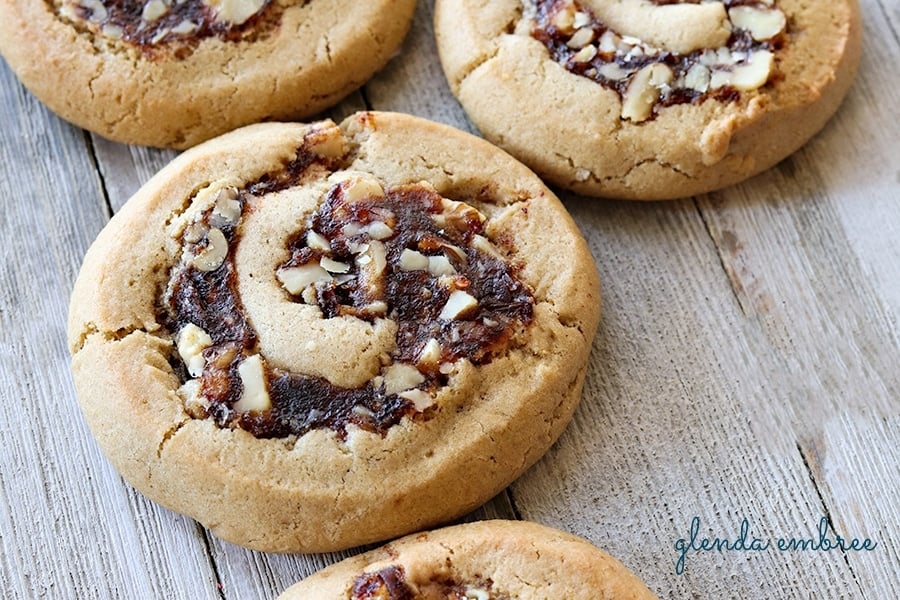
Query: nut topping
{"points": [[400, 377], [362, 188], [459, 304], [333, 266], [581, 38], [412, 260], [655, 53], [420, 399], [153, 10], [404, 254], [150, 24], [763, 24], [586, 54], [235, 11], [213, 255], [227, 209], [754, 73], [255, 397], [297, 279], [431, 353], [191, 342], [317, 241], [440, 266], [678, 28], [644, 90]]}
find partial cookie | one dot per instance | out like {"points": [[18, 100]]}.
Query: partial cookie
{"points": [[309, 337], [646, 99], [488, 560], [177, 72]]}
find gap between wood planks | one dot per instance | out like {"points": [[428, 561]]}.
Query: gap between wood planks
{"points": [[92, 156], [807, 456]]}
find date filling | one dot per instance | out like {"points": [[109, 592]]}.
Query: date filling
{"points": [[390, 583], [149, 24], [658, 53], [404, 253]]}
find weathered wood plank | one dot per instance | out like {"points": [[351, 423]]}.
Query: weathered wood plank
{"points": [[69, 527], [810, 250], [413, 81], [857, 460], [680, 418]]}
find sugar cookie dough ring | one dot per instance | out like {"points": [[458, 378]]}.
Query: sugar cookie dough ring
{"points": [[488, 560], [166, 73], [643, 100], [308, 337]]}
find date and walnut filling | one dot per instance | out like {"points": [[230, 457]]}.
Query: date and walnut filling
{"points": [[149, 23], [405, 254], [390, 583], [656, 53]]}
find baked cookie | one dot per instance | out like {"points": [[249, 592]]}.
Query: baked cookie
{"points": [[309, 337], [177, 72], [648, 99], [488, 560]]}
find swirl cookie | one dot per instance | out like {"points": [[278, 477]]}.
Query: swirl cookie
{"points": [[309, 337], [488, 560], [176, 72], [648, 99]]}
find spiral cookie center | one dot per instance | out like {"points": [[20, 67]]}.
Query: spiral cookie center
{"points": [[391, 583], [657, 54], [149, 23], [403, 260]]}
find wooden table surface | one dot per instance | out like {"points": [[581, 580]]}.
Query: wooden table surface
{"points": [[747, 369]]}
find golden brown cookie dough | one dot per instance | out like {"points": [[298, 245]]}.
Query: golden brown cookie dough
{"points": [[309, 337], [488, 560], [176, 72], [648, 100]]}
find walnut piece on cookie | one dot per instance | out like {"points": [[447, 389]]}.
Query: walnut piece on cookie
{"points": [[487, 560], [174, 73], [649, 99], [307, 336]]}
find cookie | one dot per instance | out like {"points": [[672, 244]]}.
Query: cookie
{"points": [[488, 560], [173, 73], [646, 99], [309, 337]]}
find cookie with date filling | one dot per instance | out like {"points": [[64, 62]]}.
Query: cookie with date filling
{"points": [[487, 560], [649, 99], [309, 337], [173, 73]]}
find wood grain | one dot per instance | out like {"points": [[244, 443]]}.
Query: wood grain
{"points": [[69, 527], [745, 368]]}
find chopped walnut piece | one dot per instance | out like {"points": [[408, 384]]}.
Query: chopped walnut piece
{"points": [[153, 10], [400, 377], [644, 90], [191, 341], [255, 395], [459, 304], [581, 38], [296, 279], [413, 260], [763, 24], [213, 255], [235, 11]]}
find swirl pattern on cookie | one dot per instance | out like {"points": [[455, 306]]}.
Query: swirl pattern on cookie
{"points": [[150, 24], [487, 560], [649, 99], [406, 257], [308, 336], [686, 54], [173, 73]]}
